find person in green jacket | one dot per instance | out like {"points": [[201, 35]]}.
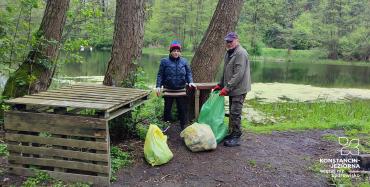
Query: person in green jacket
{"points": [[235, 83]]}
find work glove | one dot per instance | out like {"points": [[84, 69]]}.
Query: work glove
{"points": [[224, 92], [192, 85], [158, 91], [217, 87]]}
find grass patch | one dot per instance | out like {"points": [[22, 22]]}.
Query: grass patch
{"points": [[119, 159], [330, 137], [44, 179], [316, 56], [316, 167], [252, 163], [321, 115]]}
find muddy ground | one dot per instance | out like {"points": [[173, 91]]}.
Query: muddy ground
{"points": [[277, 159]]}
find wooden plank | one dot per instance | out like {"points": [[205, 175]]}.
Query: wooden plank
{"points": [[73, 99], [103, 90], [45, 151], [54, 120], [83, 132], [123, 110], [205, 85], [60, 164], [123, 104], [88, 96], [68, 177], [56, 141], [55, 103], [96, 86], [196, 107], [92, 92]]}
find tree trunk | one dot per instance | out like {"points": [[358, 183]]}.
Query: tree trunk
{"points": [[36, 72], [208, 55], [127, 43]]}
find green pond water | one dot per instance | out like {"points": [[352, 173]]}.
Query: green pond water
{"points": [[322, 75]]}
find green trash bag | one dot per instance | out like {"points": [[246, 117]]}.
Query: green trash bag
{"points": [[213, 114], [156, 150]]}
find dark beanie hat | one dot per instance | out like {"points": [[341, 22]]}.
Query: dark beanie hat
{"points": [[175, 45]]}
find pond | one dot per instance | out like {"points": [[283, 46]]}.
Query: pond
{"points": [[322, 75]]}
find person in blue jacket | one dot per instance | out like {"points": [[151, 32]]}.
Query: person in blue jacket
{"points": [[173, 75]]}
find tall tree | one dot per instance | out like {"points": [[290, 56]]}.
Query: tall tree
{"points": [[36, 72], [208, 55], [127, 42]]}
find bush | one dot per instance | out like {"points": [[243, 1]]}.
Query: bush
{"points": [[356, 46], [149, 113]]}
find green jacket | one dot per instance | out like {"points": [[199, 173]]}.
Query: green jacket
{"points": [[236, 74]]}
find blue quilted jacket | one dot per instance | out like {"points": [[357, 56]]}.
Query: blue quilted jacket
{"points": [[174, 73]]}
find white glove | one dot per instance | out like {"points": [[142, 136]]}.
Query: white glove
{"points": [[192, 85], [158, 91]]}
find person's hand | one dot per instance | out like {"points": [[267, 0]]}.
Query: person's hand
{"points": [[217, 87], [158, 91], [192, 85], [224, 92]]}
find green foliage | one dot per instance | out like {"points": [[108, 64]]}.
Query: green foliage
{"points": [[136, 79], [316, 167], [3, 150], [330, 137], [256, 50], [274, 37], [149, 113], [16, 30], [186, 21], [44, 179], [40, 179], [252, 163], [356, 45], [119, 159]]}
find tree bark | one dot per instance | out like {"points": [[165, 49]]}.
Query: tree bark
{"points": [[127, 43], [208, 55], [36, 72]]}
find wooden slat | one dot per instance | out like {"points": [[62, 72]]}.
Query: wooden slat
{"points": [[56, 141], [96, 86], [123, 104], [94, 91], [60, 103], [59, 152], [69, 177], [60, 164], [35, 122], [54, 120], [55, 130], [72, 99], [123, 110], [102, 90], [82, 96]]}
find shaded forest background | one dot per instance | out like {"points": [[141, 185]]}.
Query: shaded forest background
{"points": [[339, 28]]}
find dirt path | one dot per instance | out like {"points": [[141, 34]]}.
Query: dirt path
{"points": [[277, 159]]}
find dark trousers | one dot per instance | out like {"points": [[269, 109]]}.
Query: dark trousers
{"points": [[181, 103], [235, 108]]}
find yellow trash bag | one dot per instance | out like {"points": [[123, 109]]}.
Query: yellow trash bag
{"points": [[199, 137], [156, 150]]}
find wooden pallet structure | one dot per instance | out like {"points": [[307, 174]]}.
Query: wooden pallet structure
{"points": [[65, 132]]}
